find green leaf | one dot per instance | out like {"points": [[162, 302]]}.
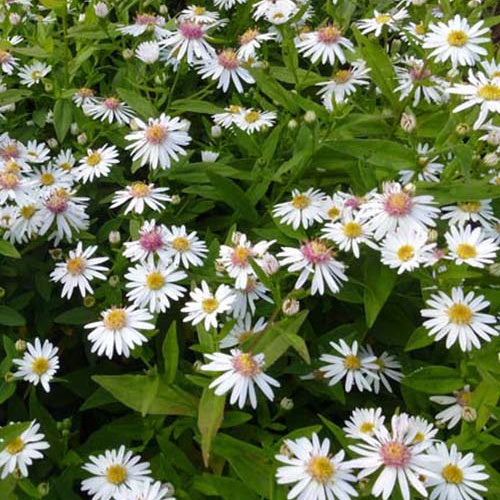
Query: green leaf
{"points": [[210, 415], [170, 350], [194, 106], [10, 432], [63, 115], [223, 487], [269, 86], [10, 317], [148, 395], [453, 192], [11, 96], [9, 250], [418, 339], [140, 104], [336, 431], [434, 380], [76, 316]]}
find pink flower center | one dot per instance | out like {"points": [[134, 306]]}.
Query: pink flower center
{"points": [[240, 256], [151, 241], [248, 36], [156, 134], [4, 56], [329, 34], [395, 454], [398, 204], [228, 59], [419, 73], [316, 252], [85, 92], [145, 19], [352, 202], [112, 103], [246, 365], [191, 31], [10, 151], [8, 180], [58, 202]]}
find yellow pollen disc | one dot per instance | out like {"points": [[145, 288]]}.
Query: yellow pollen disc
{"points": [[406, 253], [330, 33], [457, 38], [234, 109], [199, 10], [93, 159], [353, 229], [466, 251], [247, 365], [241, 254], [15, 446], [352, 362], [76, 266], [460, 314], [452, 474], [156, 133], [65, 166], [248, 36], [489, 92], [420, 29], [423, 161], [12, 166], [209, 305], [36, 75], [140, 190], [252, 116], [471, 207], [398, 200], [419, 437], [28, 211], [301, 201], [155, 280], [116, 474], [333, 212], [380, 364], [115, 319], [383, 18], [321, 469], [40, 365], [180, 243], [47, 179], [464, 398], [367, 427], [342, 76], [244, 336]]}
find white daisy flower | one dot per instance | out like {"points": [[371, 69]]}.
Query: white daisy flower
{"points": [[143, 23], [50, 177], [349, 233], [227, 118], [317, 258], [31, 74], [458, 406], [152, 241], [279, 11], [479, 91], [246, 297], [158, 141], [395, 208], [65, 160], [37, 152], [333, 207], [26, 223], [264, 7], [356, 370], [15, 187], [242, 331], [8, 62], [315, 473], [12, 149], [146, 491], [148, 52], [20, 452], [387, 368], [251, 120], [183, 248], [118, 330], [400, 456], [114, 473], [459, 318], [491, 68], [206, 306], [78, 270], [303, 210], [470, 246], [457, 41], [456, 476], [242, 371], [326, 44], [422, 429], [97, 163], [428, 168], [480, 212], [406, 250], [363, 421], [227, 4], [189, 40], [109, 110], [251, 41], [226, 68], [39, 363], [138, 195], [376, 23], [199, 14], [84, 96], [343, 83], [154, 285]]}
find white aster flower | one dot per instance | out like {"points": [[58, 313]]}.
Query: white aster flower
{"points": [[22, 450], [227, 118], [65, 160], [376, 23], [8, 62], [356, 370], [316, 473], [97, 163], [143, 23], [199, 14], [158, 141], [227, 4], [303, 210], [480, 212], [206, 306], [458, 405], [84, 96], [50, 177], [118, 330], [114, 473], [30, 74], [138, 195], [242, 331], [15, 187], [387, 368], [148, 52], [364, 421], [428, 168], [246, 297], [109, 109], [39, 363], [26, 222], [37, 152], [209, 156], [470, 246], [458, 318], [251, 41], [242, 371], [183, 248], [152, 241], [252, 120], [146, 491], [457, 41]]}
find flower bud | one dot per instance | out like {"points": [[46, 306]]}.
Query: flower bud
{"points": [[43, 489], [490, 159], [209, 156], [74, 128], [175, 199], [493, 137], [127, 54], [81, 18], [216, 131], [270, 264], [114, 237], [286, 404], [82, 138], [440, 424], [432, 236], [114, 280], [9, 377], [133, 124], [2, 292], [56, 253], [50, 117], [462, 129], [418, 3], [20, 345], [184, 125], [408, 122], [197, 366], [494, 269], [409, 188], [290, 307], [89, 301], [469, 414], [236, 238], [52, 143], [14, 18], [163, 9], [292, 124], [472, 4], [219, 266], [101, 9], [310, 117], [48, 86]]}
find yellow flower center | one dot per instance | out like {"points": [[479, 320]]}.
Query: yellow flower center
{"points": [[76, 266], [65, 166], [244, 336], [380, 363], [419, 437], [466, 251], [406, 253], [115, 319], [383, 18], [240, 255], [471, 207], [209, 305], [155, 280], [420, 29], [27, 211], [93, 159], [464, 398], [248, 36], [234, 108], [353, 229], [352, 362], [15, 446], [423, 161], [457, 38], [333, 212], [321, 469], [367, 427], [156, 133], [246, 365], [252, 116], [116, 474], [47, 179], [452, 474], [180, 243], [460, 314], [199, 10], [36, 75], [489, 92], [40, 365], [342, 76], [301, 201], [140, 190]]}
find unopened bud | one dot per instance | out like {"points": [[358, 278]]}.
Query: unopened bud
{"points": [[89, 301], [81, 18], [9, 377], [197, 366], [493, 137], [114, 237], [133, 124], [74, 128], [469, 414], [270, 264], [209, 156], [408, 122], [175, 199], [163, 9], [14, 18], [52, 143], [410, 188], [494, 270], [490, 159], [184, 125], [20, 345], [432, 236], [286, 404], [290, 307], [82, 138], [127, 54], [43, 489], [48, 86], [440, 424], [216, 131], [310, 117], [114, 280], [101, 9], [292, 124], [56, 253], [462, 129]]}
